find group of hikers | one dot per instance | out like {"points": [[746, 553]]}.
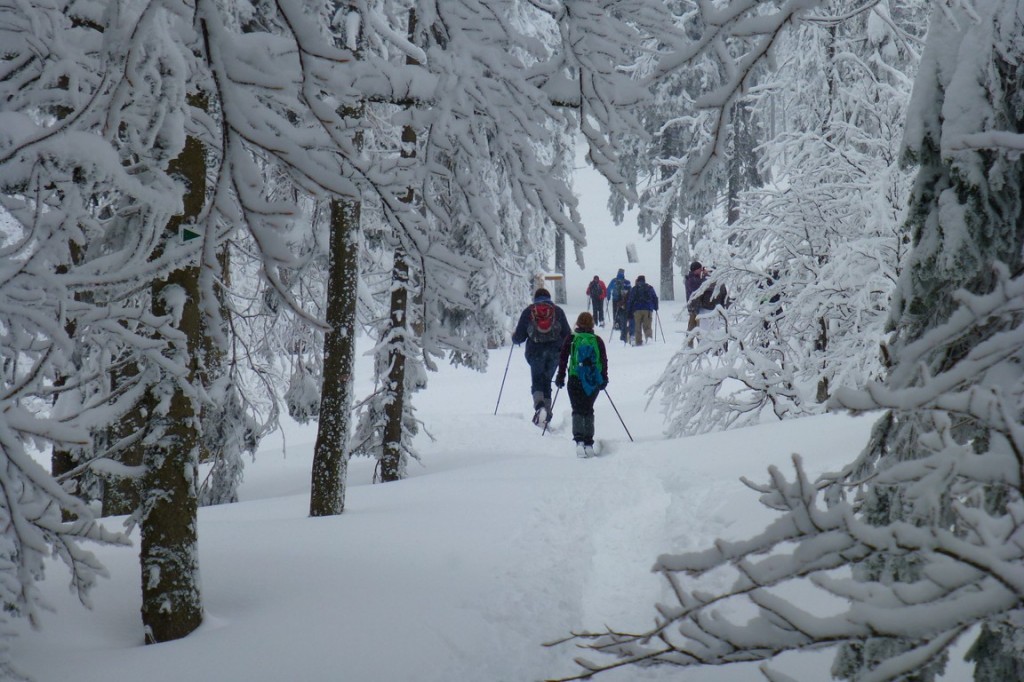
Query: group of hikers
{"points": [[632, 306], [576, 357]]}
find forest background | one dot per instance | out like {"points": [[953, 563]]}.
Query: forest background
{"points": [[207, 205]]}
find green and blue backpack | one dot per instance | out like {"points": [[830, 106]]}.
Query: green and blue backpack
{"points": [[585, 361]]}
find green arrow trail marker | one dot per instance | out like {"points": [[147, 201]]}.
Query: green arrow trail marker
{"points": [[188, 235]]}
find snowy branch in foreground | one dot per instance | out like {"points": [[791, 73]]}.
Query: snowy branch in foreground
{"points": [[971, 571], [727, 377]]}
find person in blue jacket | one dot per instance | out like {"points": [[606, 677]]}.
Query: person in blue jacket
{"points": [[618, 292], [641, 306]]}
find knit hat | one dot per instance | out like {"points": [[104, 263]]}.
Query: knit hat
{"points": [[585, 322], [695, 265], [622, 272], [541, 293], [640, 279]]}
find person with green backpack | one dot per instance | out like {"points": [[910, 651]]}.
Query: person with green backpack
{"points": [[584, 357]]}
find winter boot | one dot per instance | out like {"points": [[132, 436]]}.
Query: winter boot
{"points": [[588, 451], [539, 413], [581, 449]]}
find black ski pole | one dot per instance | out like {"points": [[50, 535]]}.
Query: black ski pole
{"points": [[553, 400], [618, 415], [509, 362], [658, 318]]}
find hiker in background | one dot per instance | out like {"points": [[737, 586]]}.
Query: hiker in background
{"points": [[641, 306], [694, 279], [618, 288], [596, 292], [699, 305], [544, 327], [584, 359]]}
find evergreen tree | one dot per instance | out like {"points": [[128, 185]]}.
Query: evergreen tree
{"points": [[969, 202], [658, 161], [927, 518], [813, 258]]}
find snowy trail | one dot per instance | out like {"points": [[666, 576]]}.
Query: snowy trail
{"points": [[500, 541]]}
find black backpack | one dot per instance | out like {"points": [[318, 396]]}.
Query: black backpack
{"points": [[643, 294], [624, 288]]}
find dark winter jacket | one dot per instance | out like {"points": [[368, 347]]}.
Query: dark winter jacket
{"points": [[521, 333], [709, 300], [642, 297], [692, 282]]}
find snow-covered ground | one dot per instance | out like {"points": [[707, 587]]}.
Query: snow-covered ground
{"points": [[499, 541]]}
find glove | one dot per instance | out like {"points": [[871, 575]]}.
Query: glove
{"points": [[560, 381], [603, 386]]}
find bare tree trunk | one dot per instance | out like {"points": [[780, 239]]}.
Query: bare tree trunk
{"points": [[171, 598], [122, 495], [330, 455], [821, 345], [394, 404], [398, 328], [667, 291], [558, 295], [220, 445]]}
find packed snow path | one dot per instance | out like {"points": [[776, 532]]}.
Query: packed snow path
{"points": [[501, 540]]}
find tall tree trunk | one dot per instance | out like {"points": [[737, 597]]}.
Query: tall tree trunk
{"points": [[64, 461], [743, 161], [558, 295], [398, 327], [221, 442], [667, 291], [330, 454], [122, 494], [735, 174], [821, 345], [171, 598], [394, 404]]}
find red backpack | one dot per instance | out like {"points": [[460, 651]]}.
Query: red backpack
{"points": [[544, 325]]}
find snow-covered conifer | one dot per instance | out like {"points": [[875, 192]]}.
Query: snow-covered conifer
{"points": [[813, 258], [920, 537]]}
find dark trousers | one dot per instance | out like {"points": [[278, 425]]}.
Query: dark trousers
{"points": [[598, 305], [543, 365], [625, 323], [582, 411]]}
